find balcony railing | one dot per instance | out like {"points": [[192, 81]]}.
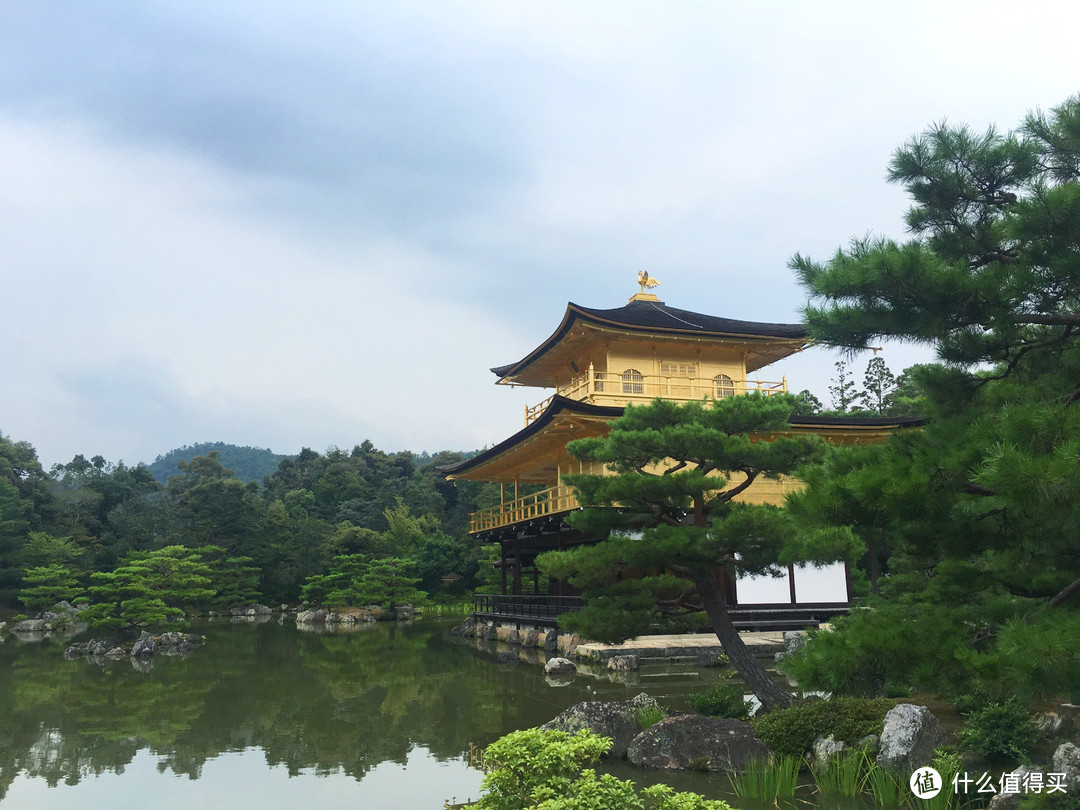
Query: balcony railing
{"points": [[541, 609], [549, 501], [620, 388]]}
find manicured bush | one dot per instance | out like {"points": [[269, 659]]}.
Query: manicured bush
{"points": [[722, 700], [999, 733], [792, 731]]}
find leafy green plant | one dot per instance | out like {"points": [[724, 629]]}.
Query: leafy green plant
{"points": [[999, 733], [767, 779], [546, 770], [721, 700], [792, 731], [649, 715]]}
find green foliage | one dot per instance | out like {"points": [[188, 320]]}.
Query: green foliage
{"points": [[549, 770], [150, 588], [970, 524], [45, 585], [247, 463], [842, 391], [767, 779], [1000, 733], [672, 460], [843, 775], [722, 699], [791, 732], [524, 761]]}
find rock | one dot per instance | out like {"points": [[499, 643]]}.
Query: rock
{"points": [[262, 610], [100, 647], [617, 720], [531, 639], [465, 629], [513, 637], [31, 626], [551, 640], [825, 749], [871, 744], [1050, 724], [908, 739], [691, 741], [115, 652], [1010, 801], [331, 617], [144, 646], [488, 633], [560, 666], [622, 663], [1067, 761], [794, 641]]}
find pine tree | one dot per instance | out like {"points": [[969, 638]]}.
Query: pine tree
{"points": [[677, 469], [842, 391], [878, 384]]}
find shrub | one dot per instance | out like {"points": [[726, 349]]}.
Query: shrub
{"points": [[721, 700], [546, 770], [999, 733], [792, 731]]}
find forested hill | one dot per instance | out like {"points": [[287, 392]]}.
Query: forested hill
{"points": [[247, 463]]}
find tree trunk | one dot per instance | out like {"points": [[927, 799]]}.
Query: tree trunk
{"points": [[750, 669]]}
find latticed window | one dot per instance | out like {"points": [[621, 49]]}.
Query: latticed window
{"points": [[678, 369], [633, 382], [725, 386]]}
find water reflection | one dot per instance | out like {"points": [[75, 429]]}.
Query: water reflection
{"points": [[303, 704]]}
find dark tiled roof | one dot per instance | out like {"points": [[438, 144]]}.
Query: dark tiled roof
{"points": [[559, 404], [814, 420], [655, 316]]}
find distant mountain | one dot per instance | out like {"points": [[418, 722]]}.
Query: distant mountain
{"points": [[248, 463]]}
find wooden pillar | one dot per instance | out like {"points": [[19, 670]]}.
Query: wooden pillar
{"points": [[517, 567], [791, 581]]}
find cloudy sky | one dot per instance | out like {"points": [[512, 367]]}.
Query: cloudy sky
{"points": [[307, 224]]}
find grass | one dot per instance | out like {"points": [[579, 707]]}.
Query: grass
{"points": [[886, 789], [767, 779], [843, 775], [649, 716]]}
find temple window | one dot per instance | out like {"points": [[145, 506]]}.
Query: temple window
{"points": [[633, 382], [725, 386]]}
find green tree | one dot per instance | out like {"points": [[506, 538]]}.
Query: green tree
{"points": [[46, 585], [386, 583], [980, 507], [878, 385], [677, 470], [842, 391], [150, 588]]}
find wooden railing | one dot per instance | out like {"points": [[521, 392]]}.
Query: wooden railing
{"points": [[617, 388], [549, 501], [540, 609]]}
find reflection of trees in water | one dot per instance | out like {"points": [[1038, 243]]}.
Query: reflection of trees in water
{"points": [[322, 702]]}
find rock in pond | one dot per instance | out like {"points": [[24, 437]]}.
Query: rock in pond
{"points": [[560, 666], [617, 719], [694, 742], [908, 739]]}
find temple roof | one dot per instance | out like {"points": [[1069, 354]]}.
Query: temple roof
{"points": [[657, 319], [837, 428]]}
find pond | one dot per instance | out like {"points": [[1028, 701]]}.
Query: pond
{"points": [[268, 716]]}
